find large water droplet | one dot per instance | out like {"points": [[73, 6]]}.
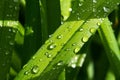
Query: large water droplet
{"points": [[85, 39], [76, 50], [51, 46], [35, 69]]}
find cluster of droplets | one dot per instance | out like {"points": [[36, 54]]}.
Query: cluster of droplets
{"points": [[48, 55]]}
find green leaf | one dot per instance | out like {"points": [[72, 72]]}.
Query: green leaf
{"points": [[59, 46]]}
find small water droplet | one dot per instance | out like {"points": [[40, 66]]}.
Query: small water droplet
{"points": [[68, 49], [59, 36], [73, 65], [51, 46], [33, 57], [81, 29], [48, 55], [50, 35], [73, 44], [92, 30], [106, 9], [80, 4], [7, 52], [40, 60], [70, 9], [76, 50], [60, 63], [85, 39], [11, 43], [26, 73], [35, 69], [10, 30], [98, 24]]}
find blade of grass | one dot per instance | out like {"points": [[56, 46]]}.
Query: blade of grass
{"points": [[110, 45], [50, 49], [7, 36]]}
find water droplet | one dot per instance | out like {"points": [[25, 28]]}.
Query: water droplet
{"points": [[60, 63], [68, 49], [59, 36], [76, 50], [50, 35], [94, 1], [73, 44], [81, 29], [7, 52], [35, 69], [98, 24], [73, 65], [70, 9], [10, 30], [51, 46], [92, 30], [40, 60], [48, 55], [80, 4], [33, 57], [85, 39], [26, 73], [11, 43], [106, 9]]}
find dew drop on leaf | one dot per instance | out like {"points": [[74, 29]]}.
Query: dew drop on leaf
{"points": [[92, 30], [11, 43], [26, 73], [51, 46], [59, 36], [70, 9], [81, 29], [35, 69], [106, 9], [85, 39], [60, 63], [76, 50], [94, 1]]}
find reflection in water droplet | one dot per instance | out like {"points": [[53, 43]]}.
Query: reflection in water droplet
{"points": [[35, 69], [85, 39], [48, 55]]}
